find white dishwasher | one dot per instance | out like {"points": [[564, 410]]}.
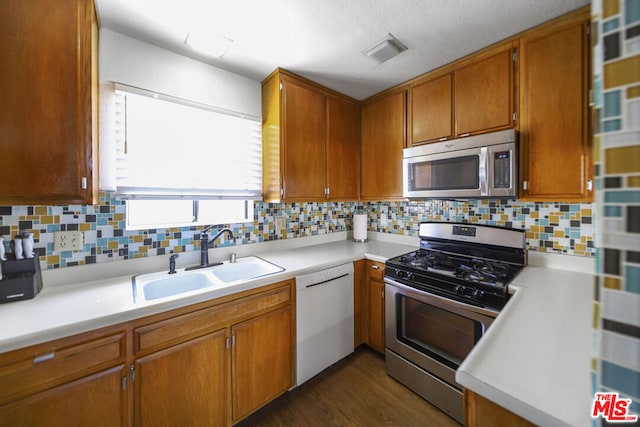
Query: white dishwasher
{"points": [[324, 319]]}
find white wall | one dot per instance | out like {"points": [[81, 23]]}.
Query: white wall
{"points": [[135, 63]]}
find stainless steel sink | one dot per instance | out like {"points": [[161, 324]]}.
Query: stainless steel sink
{"points": [[244, 269], [152, 286]]}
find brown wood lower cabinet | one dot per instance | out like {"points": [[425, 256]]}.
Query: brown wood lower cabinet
{"points": [[73, 381], [184, 384], [480, 412], [210, 364], [358, 303], [240, 358], [96, 400], [374, 277], [262, 362]]}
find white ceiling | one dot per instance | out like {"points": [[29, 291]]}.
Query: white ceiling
{"points": [[323, 39]]}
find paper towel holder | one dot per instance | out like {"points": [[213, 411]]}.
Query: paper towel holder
{"points": [[359, 240]]}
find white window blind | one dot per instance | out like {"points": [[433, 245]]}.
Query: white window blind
{"points": [[175, 149]]}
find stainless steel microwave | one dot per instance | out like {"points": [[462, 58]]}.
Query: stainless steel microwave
{"points": [[467, 168]]}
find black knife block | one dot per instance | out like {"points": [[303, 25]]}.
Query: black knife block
{"points": [[21, 279]]}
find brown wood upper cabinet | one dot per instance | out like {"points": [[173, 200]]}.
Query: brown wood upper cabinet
{"points": [[383, 139], [472, 96], [432, 110], [554, 127], [48, 81], [484, 91], [310, 141]]}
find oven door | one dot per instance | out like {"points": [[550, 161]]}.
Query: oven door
{"points": [[433, 332]]}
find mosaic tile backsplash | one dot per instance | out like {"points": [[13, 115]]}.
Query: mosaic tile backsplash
{"points": [[558, 228]]}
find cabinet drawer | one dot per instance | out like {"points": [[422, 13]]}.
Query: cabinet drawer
{"points": [[375, 270], [60, 364], [187, 326]]}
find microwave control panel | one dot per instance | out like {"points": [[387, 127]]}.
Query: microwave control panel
{"points": [[502, 169]]}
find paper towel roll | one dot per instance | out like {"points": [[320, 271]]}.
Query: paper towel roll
{"points": [[360, 227]]}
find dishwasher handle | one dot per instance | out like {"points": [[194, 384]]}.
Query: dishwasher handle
{"points": [[327, 281]]}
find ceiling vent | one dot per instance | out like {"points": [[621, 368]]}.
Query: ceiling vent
{"points": [[385, 49]]}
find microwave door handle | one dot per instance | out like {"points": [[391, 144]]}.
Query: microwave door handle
{"points": [[484, 169]]}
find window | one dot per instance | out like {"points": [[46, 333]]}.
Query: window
{"points": [[180, 163], [145, 214]]}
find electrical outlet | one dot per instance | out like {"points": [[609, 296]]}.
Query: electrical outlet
{"points": [[281, 223], [383, 219], [68, 241]]}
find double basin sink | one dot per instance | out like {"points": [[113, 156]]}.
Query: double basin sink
{"points": [[160, 285]]}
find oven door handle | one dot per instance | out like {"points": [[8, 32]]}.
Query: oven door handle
{"points": [[467, 310]]}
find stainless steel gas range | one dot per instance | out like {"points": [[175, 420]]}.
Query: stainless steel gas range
{"points": [[441, 298]]}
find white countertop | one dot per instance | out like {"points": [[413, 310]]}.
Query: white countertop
{"points": [[83, 304], [535, 359]]}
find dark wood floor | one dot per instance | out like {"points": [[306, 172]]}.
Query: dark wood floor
{"points": [[354, 392]]}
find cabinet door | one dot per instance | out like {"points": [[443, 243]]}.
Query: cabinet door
{"points": [[432, 110], [46, 110], [554, 127], [358, 301], [96, 400], [484, 94], [480, 412], [183, 385], [303, 125], [383, 139], [262, 360], [343, 149], [375, 316]]}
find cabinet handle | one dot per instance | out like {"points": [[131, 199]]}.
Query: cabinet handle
{"points": [[233, 340], [589, 185], [464, 134], [444, 138], [375, 267], [44, 357]]}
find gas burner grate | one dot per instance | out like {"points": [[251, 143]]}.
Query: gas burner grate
{"points": [[476, 273]]}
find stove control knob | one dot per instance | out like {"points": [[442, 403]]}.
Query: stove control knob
{"points": [[401, 274], [409, 275], [459, 289], [478, 294]]}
